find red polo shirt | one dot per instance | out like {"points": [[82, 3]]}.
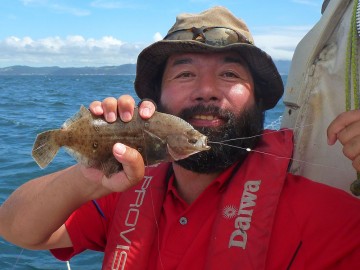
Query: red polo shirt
{"points": [[315, 227], [184, 229]]}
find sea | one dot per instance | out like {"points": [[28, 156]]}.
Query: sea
{"points": [[32, 104]]}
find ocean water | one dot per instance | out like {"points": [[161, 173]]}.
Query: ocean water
{"points": [[32, 104]]}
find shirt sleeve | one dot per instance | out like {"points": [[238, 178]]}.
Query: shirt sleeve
{"points": [[88, 227]]}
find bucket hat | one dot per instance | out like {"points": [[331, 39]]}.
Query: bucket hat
{"points": [[214, 30]]}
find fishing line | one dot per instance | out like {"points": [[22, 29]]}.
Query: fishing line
{"points": [[18, 259], [267, 133], [277, 156], [274, 155], [157, 225], [152, 200]]}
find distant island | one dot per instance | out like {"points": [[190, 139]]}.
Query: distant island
{"points": [[127, 69], [283, 66]]}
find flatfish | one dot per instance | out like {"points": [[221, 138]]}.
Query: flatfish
{"points": [[89, 139]]}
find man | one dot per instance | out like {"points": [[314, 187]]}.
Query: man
{"points": [[220, 209]]}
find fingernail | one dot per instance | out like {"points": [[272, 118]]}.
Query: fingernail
{"points": [[145, 112], [126, 116], [331, 142], [119, 149], [98, 110], [111, 117]]}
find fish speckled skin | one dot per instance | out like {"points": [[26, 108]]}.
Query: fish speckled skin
{"points": [[89, 139]]}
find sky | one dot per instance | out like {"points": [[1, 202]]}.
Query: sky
{"points": [[70, 33]]}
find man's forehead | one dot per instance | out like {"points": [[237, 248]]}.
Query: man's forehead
{"points": [[187, 58]]}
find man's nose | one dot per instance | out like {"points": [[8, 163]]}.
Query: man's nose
{"points": [[206, 89]]}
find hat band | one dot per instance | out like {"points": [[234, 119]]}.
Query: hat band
{"points": [[216, 36]]}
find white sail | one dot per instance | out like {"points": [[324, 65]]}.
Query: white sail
{"points": [[315, 95]]}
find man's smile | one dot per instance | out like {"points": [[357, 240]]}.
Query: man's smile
{"points": [[206, 120]]}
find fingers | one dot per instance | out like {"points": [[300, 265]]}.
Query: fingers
{"points": [[146, 109], [351, 148], [132, 173], [108, 108], [133, 166], [349, 133], [96, 108], [131, 160], [344, 127], [124, 106], [356, 163]]}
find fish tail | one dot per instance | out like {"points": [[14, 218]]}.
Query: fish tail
{"points": [[45, 148]]}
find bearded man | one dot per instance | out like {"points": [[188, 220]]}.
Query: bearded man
{"points": [[226, 208]]}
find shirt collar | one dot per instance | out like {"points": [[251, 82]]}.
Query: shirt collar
{"points": [[221, 181]]}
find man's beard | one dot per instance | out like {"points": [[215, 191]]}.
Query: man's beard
{"points": [[244, 128]]}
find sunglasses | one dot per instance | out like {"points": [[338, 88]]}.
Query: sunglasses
{"points": [[217, 36]]}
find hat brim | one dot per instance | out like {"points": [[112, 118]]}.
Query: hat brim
{"points": [[262, 67]]}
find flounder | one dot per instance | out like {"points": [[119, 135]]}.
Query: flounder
{"points": [[89, 139]]}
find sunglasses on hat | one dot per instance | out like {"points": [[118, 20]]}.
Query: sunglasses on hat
{"points": [[217, 36]]}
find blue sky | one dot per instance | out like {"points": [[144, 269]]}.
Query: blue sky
{"points": [[113, 32]]}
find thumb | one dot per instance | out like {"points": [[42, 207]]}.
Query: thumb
{"points": [[133, 169]]}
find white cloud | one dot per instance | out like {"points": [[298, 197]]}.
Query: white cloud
{"points": [[306, 2], [157, 36], [69, 51], [76, 50], [114, 4], [107, 4], [280, 42], [55, 7], [34, 2], [70, 10]]}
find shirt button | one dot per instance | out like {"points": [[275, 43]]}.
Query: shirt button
{"points": [[183, 220]]}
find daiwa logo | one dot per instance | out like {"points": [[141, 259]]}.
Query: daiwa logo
{"points": [[229, 212], [238, 237], [131, 220]]}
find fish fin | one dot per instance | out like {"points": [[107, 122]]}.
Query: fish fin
{"points": [[175, 155], [80, 158], [81, 113], [111, 166], [108, 167], [45, 148], [154, 136], [156, 152]]}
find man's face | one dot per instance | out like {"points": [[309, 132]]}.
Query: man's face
{"points": [[222, 80], [214, 93]]}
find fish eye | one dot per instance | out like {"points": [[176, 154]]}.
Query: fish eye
{"points": [[192, 141]]}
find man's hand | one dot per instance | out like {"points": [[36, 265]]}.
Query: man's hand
{"points": [[124, 106], [33, 216], [130, 158], [346, 129]]}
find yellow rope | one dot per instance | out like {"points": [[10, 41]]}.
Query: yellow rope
{"points": [[352, 77], [351, 69], [354, 58], [348, 68]]}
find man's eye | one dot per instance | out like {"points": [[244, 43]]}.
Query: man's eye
{"points": [[229, 75], [184, 75]]}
